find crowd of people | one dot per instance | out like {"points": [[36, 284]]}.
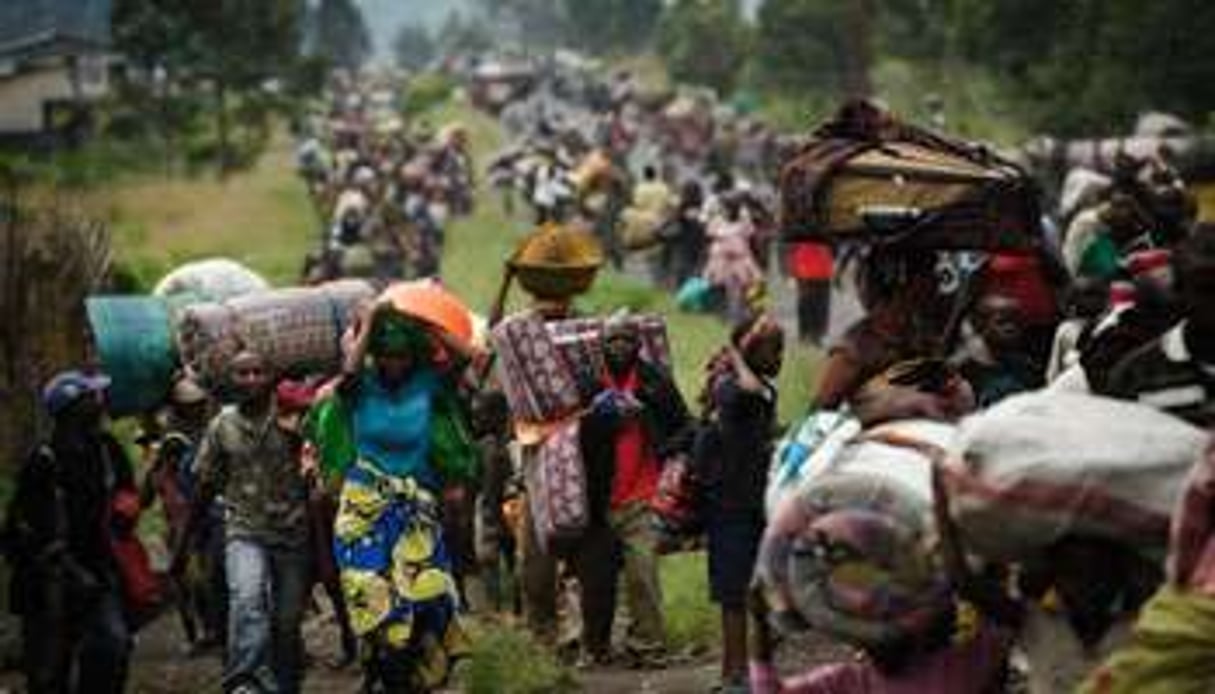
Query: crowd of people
{"points": [[436, 474], [385, 188]]}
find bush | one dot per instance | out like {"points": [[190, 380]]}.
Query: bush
{"points": [[426, 92], [506, 661]]}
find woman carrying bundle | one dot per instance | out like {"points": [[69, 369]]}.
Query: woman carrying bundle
{"points": [[393, 428]]}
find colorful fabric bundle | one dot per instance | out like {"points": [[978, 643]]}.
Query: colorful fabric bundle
{"points": [[298, 330], [1040, 466], [538, 382], [556, 482], [852, 549], [677, 501], [580, 340]]}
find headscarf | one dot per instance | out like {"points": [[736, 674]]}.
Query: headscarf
{"points": [[396, 334]]}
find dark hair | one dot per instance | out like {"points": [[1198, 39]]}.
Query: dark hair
{"points": [[491, 412], [649, 173], [691, 194], [882, 274], [742, 327]]}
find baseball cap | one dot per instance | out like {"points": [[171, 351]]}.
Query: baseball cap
{"points": [[69, 386]]}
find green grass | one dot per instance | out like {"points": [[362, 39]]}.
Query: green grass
{"points": [[260, 217], [693, 623], [509, 661]]}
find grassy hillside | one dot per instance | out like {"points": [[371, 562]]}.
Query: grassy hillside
{"points": [[260, 217]]}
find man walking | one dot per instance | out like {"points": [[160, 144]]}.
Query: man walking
{"points": [[253, 462]]}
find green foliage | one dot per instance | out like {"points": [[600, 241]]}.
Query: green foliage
{"points": [[426, 92], [342, 37], [206, 53], [537, 24], [1091, 65], [414, 47], [507, 661], [601, 26], [705, 42], [799, 44], [464, 35]]}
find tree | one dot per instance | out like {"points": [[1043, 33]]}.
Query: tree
{"points": [[460, 35], [414, 47], [536, 23], [704, 42], [232, 45], [601, 26], [1091, 65], [815, 44], [341, 33]]}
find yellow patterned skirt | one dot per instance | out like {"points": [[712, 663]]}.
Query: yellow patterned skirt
{"points": [[396, 572]]}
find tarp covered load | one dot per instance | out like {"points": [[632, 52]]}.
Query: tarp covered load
{"points": [[853, 549], [1041, 466], [866, 177], [298, 330], [134, 342]]}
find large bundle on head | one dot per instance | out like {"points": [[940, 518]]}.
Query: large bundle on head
{"points": [[852, 550], [298, 330], [214, 279], [580, 340], [540, 363], [1043, 466], [135, 345], [866, 177], [556, 262]]}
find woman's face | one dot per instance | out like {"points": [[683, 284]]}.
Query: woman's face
{"points": [[393, 368]]}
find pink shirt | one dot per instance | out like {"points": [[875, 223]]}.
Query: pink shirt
{"points": [[970, 668]]}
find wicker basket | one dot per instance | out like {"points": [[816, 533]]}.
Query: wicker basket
{"points": [[556, 262]]}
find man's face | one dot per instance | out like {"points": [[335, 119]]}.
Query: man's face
{"points": [[250, 377], [620, 351], [88, 410], [1000, 322]]}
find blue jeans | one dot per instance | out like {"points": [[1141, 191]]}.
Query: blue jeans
{"points": [[267, 589]]}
